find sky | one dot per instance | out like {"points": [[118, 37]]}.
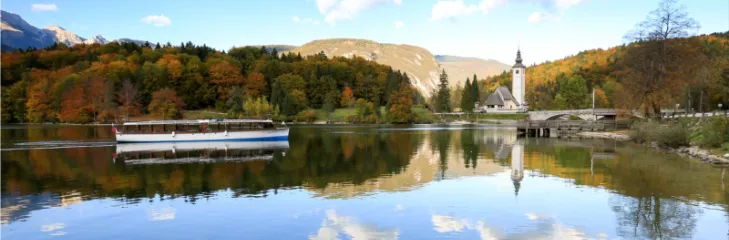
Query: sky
{"points": [[490, 29]]}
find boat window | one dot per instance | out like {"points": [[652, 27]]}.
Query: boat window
{"points": [[194, 128]]}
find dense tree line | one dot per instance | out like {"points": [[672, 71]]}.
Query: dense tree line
{"points": [[115, 81], [661, 66]]}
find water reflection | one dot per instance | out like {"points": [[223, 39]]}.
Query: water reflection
{"points": [[335, 225], [455, 178], [196, 152]]}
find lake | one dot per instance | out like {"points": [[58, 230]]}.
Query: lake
{"points": [[354, 182]]}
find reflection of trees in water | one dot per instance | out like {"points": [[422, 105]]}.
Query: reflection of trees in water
{"points": [[316, 158], [471, 149], [654, 217], [440, 141]]}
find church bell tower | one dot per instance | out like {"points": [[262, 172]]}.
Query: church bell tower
{"points": [[518, 81]]}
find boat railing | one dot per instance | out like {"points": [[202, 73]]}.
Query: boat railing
{"points": [[202, 128], [202, 121]]}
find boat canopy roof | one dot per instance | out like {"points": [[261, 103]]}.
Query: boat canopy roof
{"points": [[209, 121]]}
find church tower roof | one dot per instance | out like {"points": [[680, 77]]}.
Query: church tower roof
{"points": [[518, 60]]}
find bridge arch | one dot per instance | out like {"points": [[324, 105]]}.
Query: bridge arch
{"points": [[559, 115]]}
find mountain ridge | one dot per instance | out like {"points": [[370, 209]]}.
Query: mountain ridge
{"points": [[420, 64], [17, 33]]}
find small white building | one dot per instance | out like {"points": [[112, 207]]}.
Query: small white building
{"points": [[502, 100]]}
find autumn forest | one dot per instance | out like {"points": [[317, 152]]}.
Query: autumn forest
{"points": [[115, 81]]}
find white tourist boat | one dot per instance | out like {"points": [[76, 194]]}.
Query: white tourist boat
{"points": [[200, 130]]}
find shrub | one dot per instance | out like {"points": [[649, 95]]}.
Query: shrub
{"points": [[713, 132], [673, 135], [365, 113], [642, 132], [307, 115]]}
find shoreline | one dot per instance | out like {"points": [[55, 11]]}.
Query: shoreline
{"points": [[690, 151]]}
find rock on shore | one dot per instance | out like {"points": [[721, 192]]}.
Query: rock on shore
{"points": [[702, 155], [608, 135]]}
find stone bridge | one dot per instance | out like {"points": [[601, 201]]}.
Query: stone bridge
{"points": [[584, 114]]}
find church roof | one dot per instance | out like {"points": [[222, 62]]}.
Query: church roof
{"points": [[500, 95], [494, 99], [504, 92]]}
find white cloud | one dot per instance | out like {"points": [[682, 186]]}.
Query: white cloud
{"points": [[450, 9], [564, 4], [557, 7], [335, 10], [295, 19], [157, 20], [399, 24], [325, 5], [536, 17], [39, 7]]}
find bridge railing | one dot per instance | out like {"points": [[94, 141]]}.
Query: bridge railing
{"points": [[603, 124]]}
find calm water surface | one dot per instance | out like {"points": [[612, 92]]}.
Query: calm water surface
{"points": [[389, 182]]}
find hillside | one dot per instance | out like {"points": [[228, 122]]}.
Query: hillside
{"points": [[278, 47], [460, 68], [606, 71], [417, 62]]}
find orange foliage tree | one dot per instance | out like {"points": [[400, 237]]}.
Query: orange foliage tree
{"points": [[401, 103], [39, 102], [347, 97], [226, 75], [167, 104], [75, 107], [254, 85]]}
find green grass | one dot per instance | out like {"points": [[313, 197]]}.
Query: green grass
{"points": [[339, 114], [202, 114], [424, 115]]}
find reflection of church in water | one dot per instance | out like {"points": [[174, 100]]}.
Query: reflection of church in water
{"points": [[504, 145], [517, 165]]}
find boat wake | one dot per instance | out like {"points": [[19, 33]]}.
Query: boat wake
{"points": [[56, 145]]}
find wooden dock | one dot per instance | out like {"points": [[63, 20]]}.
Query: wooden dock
{"points": [[557, 128]]}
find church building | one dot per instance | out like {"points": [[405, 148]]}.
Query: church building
{"points": [[502, 99]]}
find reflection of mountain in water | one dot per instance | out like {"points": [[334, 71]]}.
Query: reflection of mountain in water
{"points": [[196, 152]]}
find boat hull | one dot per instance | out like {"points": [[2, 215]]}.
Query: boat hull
{"points": [[256, 135], [199, 146]]}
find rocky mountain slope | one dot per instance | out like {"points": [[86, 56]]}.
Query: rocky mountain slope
{"points": [[421, 66], [460, 68], [17, 33], [417, 62]]}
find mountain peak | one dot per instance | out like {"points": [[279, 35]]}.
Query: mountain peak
{"points": [[96, 39], [63, 36], [55, 28]]}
